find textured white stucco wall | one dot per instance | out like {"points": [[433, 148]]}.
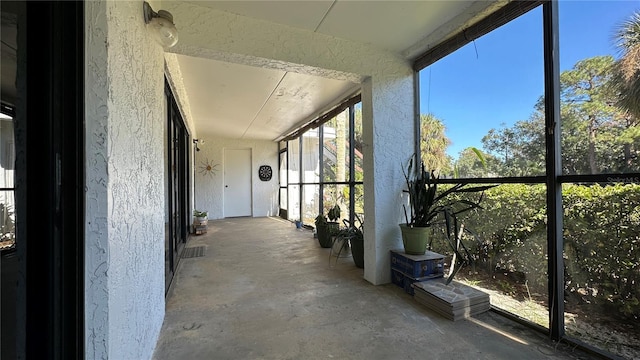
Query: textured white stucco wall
{"points": [[209, 189], [387, 101], [124, 304]]}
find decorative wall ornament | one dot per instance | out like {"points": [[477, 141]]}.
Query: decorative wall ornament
{"points": [[208, 168], [265, 172]]}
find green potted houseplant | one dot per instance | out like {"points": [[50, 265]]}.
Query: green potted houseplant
{"points": [[428, 207], [326, 229], [351, 235], [200, 217]]}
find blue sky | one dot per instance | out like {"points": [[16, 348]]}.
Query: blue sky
{"points": [[496, 81]]}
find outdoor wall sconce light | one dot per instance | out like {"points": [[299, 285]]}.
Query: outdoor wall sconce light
{"points": [[161, 25]]}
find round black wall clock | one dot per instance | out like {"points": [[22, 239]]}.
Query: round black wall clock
{"points": [[265, 172]]}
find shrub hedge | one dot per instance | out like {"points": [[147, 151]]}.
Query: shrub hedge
{"points": [[601, 241]]}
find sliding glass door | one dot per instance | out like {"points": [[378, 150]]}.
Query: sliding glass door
{"points": [[177, 171]]}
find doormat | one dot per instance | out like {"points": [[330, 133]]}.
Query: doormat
{"points": [[191, 252]]}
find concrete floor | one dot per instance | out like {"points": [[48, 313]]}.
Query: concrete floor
{"points": [[266, 290]]}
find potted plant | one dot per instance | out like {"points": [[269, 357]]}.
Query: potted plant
{"points": [[200, 217], [428, 207], [341, 246], [351, 236], [326, 229]]}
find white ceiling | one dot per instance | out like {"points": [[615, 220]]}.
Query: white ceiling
{"points": [[239, 101], [393, 25]]}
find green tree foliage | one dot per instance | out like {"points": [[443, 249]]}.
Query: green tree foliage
{"points": [[433, 144], [626, 83], [596, 135], [470, 165], [587, 103], [357, 130], [627, 40], [519, 149]]}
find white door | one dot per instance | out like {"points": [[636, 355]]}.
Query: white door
{"points": [[237, 182]]}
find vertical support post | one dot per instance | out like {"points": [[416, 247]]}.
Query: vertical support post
{"points": [[300, 171], [321, 166], [352, 164], [279, 176], [416, 129], [553, 170]]}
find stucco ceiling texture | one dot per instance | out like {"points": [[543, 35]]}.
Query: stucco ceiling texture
{"points": [[241, 101]]}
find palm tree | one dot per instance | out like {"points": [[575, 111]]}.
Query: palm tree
{"points": [[433, 144], [627, 39], [626, 82]]}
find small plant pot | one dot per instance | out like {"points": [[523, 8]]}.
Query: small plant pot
{"points": [[415, 239], [357, 250], [201, 220], [325, 232], [341, 247], [298, 224]]}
